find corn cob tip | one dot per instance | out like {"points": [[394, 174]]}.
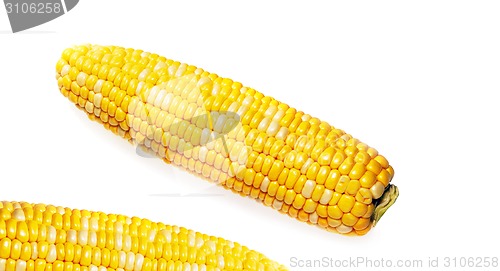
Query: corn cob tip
{"points": [[389, 197]]}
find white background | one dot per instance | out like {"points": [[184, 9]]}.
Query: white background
{"points": [[417, 80]]}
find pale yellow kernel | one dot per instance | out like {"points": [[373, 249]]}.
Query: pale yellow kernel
{"points": [[326, 197], [282, 133], [21, 266], [81, 78], [264, 185], [18, 214], [277, 204], [377, 190], [308, 188], [89, 107], [343, 229]]}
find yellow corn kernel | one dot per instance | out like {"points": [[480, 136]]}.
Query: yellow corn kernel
{"points": [[353, 187], [322, 176], [310, 206], [22, 231], [362, 157], [362, 224], [382, 161], [334, 212], [349, 219], [359, 209], [293, 176], [332, 180], [280, 194], [374, 166], [290, 196], [313, 170], [337, 160], [368, 179], [15, 249], [322, 210], [384, 177], [275, 170], [342, 184], [346, 165], [335, 197], [326, 156], [11, 226], [272, 188], [25, 251], [3, 229], [346, 203], [299, 201], [5, 246], [364, 196], [318, 192], [10, 265], [357, 171]]}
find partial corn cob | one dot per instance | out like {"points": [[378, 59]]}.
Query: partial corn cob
{"points": [[38, 237], [232, 135]]}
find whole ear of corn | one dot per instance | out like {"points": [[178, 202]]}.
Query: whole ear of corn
{"points": [[232, 135], [38, 237]]}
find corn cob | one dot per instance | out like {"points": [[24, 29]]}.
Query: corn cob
{"points": [[38, 237], [232, 135]]}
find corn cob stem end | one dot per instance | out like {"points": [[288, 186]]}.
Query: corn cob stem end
{"points": [[387, 200]]}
